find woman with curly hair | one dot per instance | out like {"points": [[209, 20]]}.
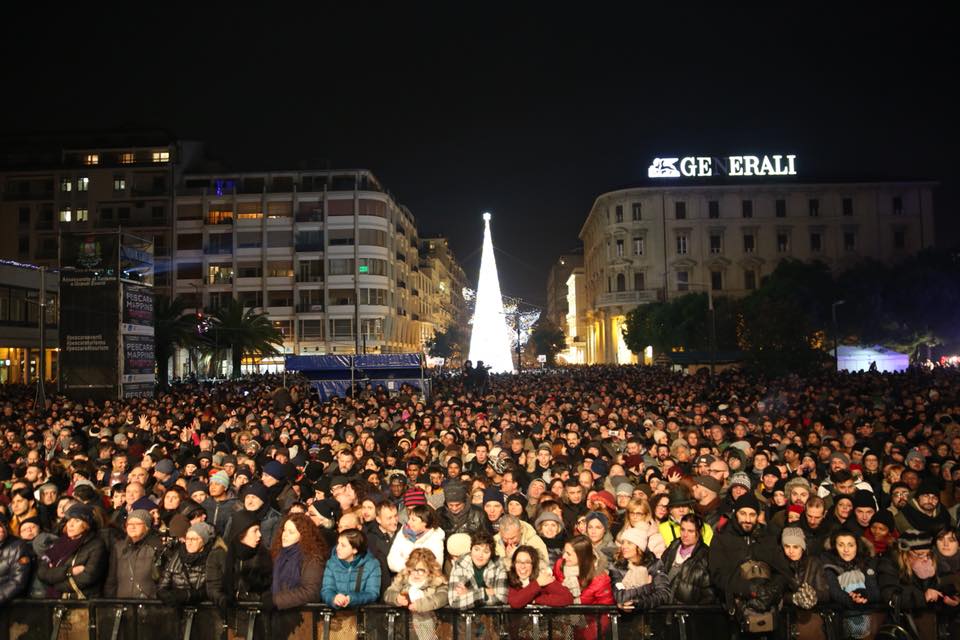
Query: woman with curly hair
{"points": [[421, 588], [298, 556]]}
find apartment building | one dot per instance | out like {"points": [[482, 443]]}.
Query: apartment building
{"points": [[654, 243]]}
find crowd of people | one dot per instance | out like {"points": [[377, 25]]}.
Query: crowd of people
{"points": [[624, 486]]}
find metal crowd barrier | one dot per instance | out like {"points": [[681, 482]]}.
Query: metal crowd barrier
{"points": [[105, 619]]}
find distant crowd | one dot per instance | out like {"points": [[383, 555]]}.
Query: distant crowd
{"points": [[625, 486]]}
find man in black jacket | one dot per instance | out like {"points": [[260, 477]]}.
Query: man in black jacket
{"points": [[133, 561], [745, 563], [457, 516]]}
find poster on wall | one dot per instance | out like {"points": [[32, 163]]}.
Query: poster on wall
{"points": [[89, 325], [137, 309]]}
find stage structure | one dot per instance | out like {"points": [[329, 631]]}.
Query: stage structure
{"points": [[490, 337], [341, 375]]}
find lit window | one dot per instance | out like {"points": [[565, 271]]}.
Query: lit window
{"points": [[161, 156], [127, 158], [681, 244], [83, 184], [66, 184], [119, 183], [91, 159], [66, 215], [82, 215]]}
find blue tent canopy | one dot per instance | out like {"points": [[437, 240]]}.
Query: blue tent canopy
{"points": [[335, 375]]}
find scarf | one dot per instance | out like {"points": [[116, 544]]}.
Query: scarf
{"points": [[636, 576], [58, 553], [190, 559], [286, 569], [236, 552], [571, 580], [923, 568], [684, 552], [409, 534]]}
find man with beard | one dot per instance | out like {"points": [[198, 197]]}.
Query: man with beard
{"points": [[457, 516], [816, 528], [924, 512], [745, 563]]}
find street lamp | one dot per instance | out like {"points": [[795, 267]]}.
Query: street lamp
{"points": [[836, 331]]}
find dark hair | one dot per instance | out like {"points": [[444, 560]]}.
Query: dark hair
{"points": [[697, 523], [844, 533], [312, 544], [425, 513], [356, 539], [586, 559], [482, 538], [24, 493], [512, 578]]}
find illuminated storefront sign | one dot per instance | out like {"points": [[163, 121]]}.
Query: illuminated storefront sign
{"points": [[734, 166]]}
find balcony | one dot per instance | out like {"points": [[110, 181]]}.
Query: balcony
{"points": [[309, 308], [217, 251], [309, 277], [626, 298], [150, 192], [14, 196], [309, 246], [309, 216]]}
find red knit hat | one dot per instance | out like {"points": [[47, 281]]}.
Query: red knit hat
{"points": [[414, 496], [605, 497], [796, 508]]}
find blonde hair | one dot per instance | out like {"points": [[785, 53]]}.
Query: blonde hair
{"points": [[425, 557], [641, 504]]}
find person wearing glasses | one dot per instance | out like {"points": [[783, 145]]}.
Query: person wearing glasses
{"points": [[420, 588]]}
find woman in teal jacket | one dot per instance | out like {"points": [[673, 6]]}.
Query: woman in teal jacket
{"points": [[352, 576]]}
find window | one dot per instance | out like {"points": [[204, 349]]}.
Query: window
{"points": [[249, 270], [371, 328], [341, 328], [899, 239], [638, 246], [781, 208], [81, 215], [66, 215], [249, 240], [91, 159], [619, 213], [716, 243], [713, 209], [375, 267], [749, 279], [716, 280], [278, 239], [311, 329], [816, 244], [66, 185], [638, 282], [279, 269], [127, 158], [848, 206], [157, 213], [83, 183], [161, 156], [814, 207], [373, 296], [189, 271], [341, 267], [897, 205], [279, 298], [682, 244], [636, 211], [621, 282], [250, 298], [106, 214], [749, 243], [24, 215], [680, 210], [849, 241], [119, 183], [190, 242], [123, 213], [747, 208], [619, 248], [683, 280], [783, 242], [23, 246], [220, 274]]}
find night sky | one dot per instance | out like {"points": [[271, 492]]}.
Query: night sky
{"points": [[527, 113]]}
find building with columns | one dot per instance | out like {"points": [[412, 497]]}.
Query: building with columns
{"points": [[647, 244]]}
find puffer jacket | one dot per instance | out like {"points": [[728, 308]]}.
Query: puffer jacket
{"points": [[183, 578], [809, 569], [92, 556], [648, 596], [133, 568], [471, 520], [341, 577], [219, 513], [402, 546], [690, 580], [16, 559]]}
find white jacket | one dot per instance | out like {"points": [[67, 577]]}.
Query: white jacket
{"points": [[431, 539]]}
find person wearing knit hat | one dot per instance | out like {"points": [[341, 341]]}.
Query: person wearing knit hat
{"points": [[85, 513], [204, 531], [548, 516], [414, 496], [915, 460], [794, 536], [599, 468], [141, 515], [145, 504], [881, 533], [745, 502], [924, 512], [635, 536], [275, 472], [797, 490], [605, 498], [517, 505], [179, 525], [458, 545], [914, 540]]}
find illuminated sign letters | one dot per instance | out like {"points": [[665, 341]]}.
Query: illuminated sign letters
{"points": [[736, 166]]}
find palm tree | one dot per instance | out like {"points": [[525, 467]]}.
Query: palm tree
{"points": [[245, 332], [171, 329]]}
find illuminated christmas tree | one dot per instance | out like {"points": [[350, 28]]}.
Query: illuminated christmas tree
{"points": [[491, 337]]}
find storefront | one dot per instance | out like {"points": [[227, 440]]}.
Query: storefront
{"points": [[19, 324]]}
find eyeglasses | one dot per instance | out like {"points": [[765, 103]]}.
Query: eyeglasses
{"points": [[523, 562], [637, 513]]}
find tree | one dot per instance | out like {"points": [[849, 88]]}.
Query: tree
{"points": [[447, 344], [548, 340], [681, 323], [244, 332], [171, 329]]}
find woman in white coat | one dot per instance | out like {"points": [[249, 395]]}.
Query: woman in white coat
{"points": [[422, 531]]}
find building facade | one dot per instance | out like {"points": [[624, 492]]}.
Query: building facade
{"points": [[560, 271], [330, 256], [647, 244], [446, 280], [20, 323], [90, 182]]}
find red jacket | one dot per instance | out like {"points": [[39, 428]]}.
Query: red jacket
{"points": [[599, 591], [552, 595]]}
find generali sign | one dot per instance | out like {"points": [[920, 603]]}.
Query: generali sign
{"points": [[739, 166]]}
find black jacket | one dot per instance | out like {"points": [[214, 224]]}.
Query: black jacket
{"points": [[731, 548], [16, 558], [183, 578], [690, 581], [133, 568], [94, 559], [469, 521]]}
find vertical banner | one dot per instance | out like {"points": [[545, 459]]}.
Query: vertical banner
{"points": [[139, 357], [89, 322]]}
